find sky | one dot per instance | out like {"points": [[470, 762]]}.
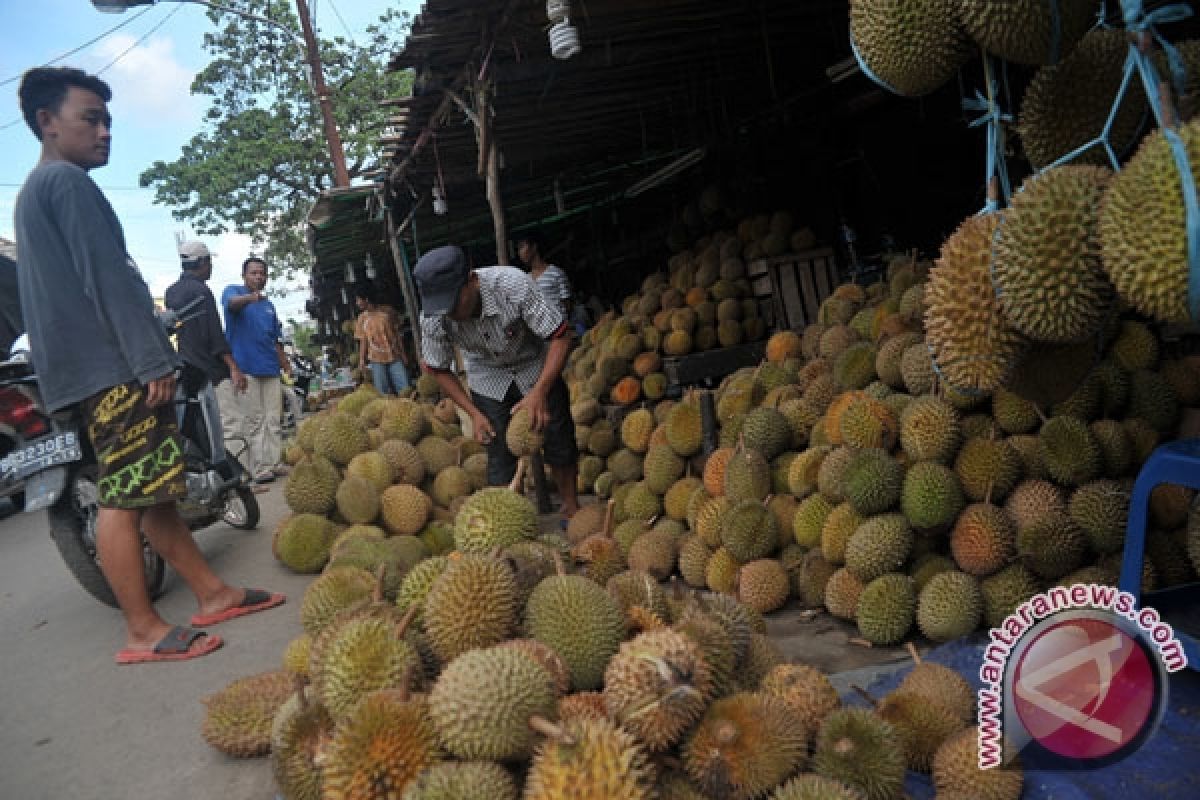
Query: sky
{"points": [[149, 63]]}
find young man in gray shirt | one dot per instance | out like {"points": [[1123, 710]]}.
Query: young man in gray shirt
{"points": [[95, 342]]}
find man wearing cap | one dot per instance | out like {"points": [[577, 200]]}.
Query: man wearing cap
{"points": [[515, 345], [207, 359]]}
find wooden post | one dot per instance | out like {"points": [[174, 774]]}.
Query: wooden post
{"points": [[340, 176], [496, 204], [400, 259]]}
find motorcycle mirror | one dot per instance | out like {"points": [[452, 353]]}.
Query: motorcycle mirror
{"points": [[19, 352]]}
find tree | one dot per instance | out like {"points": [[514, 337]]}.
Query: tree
{"points": [[263, 160]]}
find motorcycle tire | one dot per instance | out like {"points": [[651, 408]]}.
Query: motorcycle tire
{"points": [[73, 529], [241, 509]]}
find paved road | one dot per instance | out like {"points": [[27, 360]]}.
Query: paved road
{"points": [[75, 725]]}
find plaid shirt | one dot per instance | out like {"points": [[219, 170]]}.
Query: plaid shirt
{"points": [[505, 343]]}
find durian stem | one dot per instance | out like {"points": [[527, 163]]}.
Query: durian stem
{"points": [[912, 651], [608, 518], [377, 589], [865, 695], [519, 477], [559, 567], [301, 682], [407, 619], [549, 729], [405, 682], [987, 496]]}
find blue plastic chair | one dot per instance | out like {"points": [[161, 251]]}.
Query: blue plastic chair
{"points": [[1178, 463]]}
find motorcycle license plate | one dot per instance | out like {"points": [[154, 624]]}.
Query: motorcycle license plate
{"points": [[40, 454]]}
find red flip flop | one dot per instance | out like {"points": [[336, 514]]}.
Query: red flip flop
{"points": [[255, 600], [177, 645]]}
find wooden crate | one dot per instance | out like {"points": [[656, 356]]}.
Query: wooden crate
{"points": [[708, 367], [798, 283]]}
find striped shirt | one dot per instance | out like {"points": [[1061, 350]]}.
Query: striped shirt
{"points": [[505, 343], [554, 286]]}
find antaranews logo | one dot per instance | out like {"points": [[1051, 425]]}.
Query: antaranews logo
{"points": [[1075, 677]]}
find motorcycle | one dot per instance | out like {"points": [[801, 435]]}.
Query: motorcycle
{"points": [[50, 464], [295, 391]]}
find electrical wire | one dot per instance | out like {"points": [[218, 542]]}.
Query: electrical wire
{"points": [[145, 36], [345, 27], [83, 46]]}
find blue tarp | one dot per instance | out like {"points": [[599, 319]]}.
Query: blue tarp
{"points": [[1167, 766]]}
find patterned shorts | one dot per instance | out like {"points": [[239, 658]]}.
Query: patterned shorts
{"points": [[138, 449]]}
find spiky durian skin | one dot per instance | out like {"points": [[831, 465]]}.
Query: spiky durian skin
{"points": [[811, 786], [358, 655], [931, 496], [987, 468], [715, 646], [494, 517], [296, 734], [880, 544], [929, 430], [873, 481], [806, 691], [332, 592], [1067, 105], [1144, 231], [1006, 590], [749, 531], [974, 346], [1047, 264], [886, 609], [744, 746], [1027, 31], [1052, 545], [237, 719], [474, 603], [458, 780], [380, 748], [859, 749], [1101, 510], [922, 723], [656, 686], [577, 618], [956, 771], [939, 683], [482, 702], [302, 542], [595, 760], [949, 606], [984, 539], [913, 48]]}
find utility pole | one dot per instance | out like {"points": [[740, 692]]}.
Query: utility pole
{"points": [[341, 178]]}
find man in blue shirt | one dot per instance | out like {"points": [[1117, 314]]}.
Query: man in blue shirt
{"points": [[254, 333]]}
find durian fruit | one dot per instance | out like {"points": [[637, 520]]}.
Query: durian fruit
{"points": [[332, 592], [715, 644], [956, 771], [839, 526], [590, 759], [1067, 105], [744, 746], [749, 531], [1031, 499], [831, 476], [763, 585], [929, 430], [842, 592], [984, 539], [805, 690], [295, 656], [881, 544], [931, 496], [578, 619], [449, 485], [657, 686], [872, 481], [1069, 450], [912, 48], [385, 743], [298, 731], [636, 429], [886, 609], [474, 603], [661, 468], [404, 509], [341, 438], [685, 429], [654, 552], [417, 583], [762, 656], [494, 517], [925, 566], [1027, 31], [987, 468], [405, 461], [950, 606], [810, 518], [361, 652], [809, 580], [484, 699], [238, 718], [1101, 510], [923, 725], [1051, 284], [1052, 546], [302, 542], [633, 588], [357, 500], [747, 476], [1006, 590], [1013, 413], [520, 437], [974, 346], [767, 431], [940, 684], [372, 466], [312, 486], [861, 750], [456, 780]]}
